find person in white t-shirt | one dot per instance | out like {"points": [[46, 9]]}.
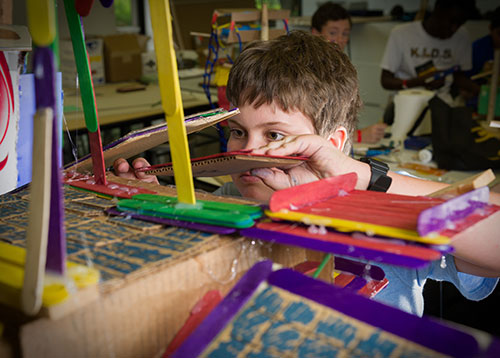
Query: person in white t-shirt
{"points": [[431, 54]]}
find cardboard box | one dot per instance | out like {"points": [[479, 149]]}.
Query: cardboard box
{"points": [[122, 56], [96, 58]]}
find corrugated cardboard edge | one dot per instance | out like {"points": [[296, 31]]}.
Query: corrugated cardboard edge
{"points": [[139, 144]]}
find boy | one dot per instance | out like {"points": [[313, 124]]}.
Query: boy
{"points": [[298, 95], [334, 23]]}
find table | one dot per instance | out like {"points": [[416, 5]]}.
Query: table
{"points": [[116, 108]]}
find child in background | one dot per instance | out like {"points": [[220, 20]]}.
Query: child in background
{"points": [[298, 95], [483, 48], [333, 23]]}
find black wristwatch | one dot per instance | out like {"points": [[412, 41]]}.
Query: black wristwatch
{"points": [[379, 180]]}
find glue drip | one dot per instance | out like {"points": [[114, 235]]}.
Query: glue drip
{"points": [[443, 262]]}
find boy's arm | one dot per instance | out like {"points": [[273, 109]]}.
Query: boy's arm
{"points": [[477, 249]]}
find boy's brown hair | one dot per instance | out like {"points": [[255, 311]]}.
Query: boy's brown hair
{"points": [[299, 71]]}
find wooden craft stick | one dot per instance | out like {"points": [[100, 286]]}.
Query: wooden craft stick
{"points": [[87, 90], [465, 185], [171, 98], [38, 227], [481, 75], [264, 23], [41, 21]]}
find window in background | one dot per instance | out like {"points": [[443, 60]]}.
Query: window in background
{"points": [[129, 15]]}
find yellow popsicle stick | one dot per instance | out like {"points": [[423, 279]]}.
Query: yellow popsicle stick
{"points": [[41, 21], [12, 259], [349, 225], [171, 99]]}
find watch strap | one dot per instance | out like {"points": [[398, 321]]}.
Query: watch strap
{"points": [[379, 180]]}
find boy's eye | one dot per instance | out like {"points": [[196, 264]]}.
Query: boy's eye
{"points": [[275, 136], [236, 133]]}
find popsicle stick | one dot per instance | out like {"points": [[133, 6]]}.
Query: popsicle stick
{"points": [[436, 218], [465, 185], [107, 3], [83, 7], [38, 227], [41, 21], [264, 23], [86, 90], [309, 193], [171, 98], [45, 97], [351, 225]]}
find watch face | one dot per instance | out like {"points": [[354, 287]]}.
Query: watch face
{"points": [[381, 184]]}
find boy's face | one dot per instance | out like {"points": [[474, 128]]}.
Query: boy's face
{"points": [[256, 127], [336, 31]]}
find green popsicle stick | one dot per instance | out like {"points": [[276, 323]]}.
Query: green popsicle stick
{"points": [[82, 66]]}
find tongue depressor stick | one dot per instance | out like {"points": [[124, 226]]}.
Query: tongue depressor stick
{"points": [[87, 91], [41, 19], [171, 99]]}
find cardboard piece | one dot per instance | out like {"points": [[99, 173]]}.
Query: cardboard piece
{"points": [[122, 57], [228, 163], [284, 313], [150, 279], [143, 139]]}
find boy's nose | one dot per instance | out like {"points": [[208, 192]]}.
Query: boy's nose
{"points": [[254, 142]]}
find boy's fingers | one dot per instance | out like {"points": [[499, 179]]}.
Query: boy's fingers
{"points": [[121, 166], [276, 180], [142, 163]]}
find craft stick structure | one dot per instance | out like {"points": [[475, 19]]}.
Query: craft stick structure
{"points": [[171, 98], [87, 90]]}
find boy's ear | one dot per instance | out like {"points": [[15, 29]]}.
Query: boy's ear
{"points": [[339, 138]]}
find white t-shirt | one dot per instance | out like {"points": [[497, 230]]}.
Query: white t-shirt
{"points": [[410, 46]]}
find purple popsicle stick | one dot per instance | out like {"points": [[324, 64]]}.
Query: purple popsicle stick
{"points": [[438, 217], [334, 248], [224, 311], [189, 225], [45, 96], [106, 3], [359, 268], [421, 330]]}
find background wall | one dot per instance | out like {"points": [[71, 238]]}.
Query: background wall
{"points": [[309, 6]]}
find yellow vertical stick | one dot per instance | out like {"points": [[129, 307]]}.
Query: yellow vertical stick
{"points": [[39, 211], [171, 98], [41, 21]]}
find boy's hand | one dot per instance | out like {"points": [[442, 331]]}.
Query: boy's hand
{"points": [[123, 169], [325, 160], [373, 133]]}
